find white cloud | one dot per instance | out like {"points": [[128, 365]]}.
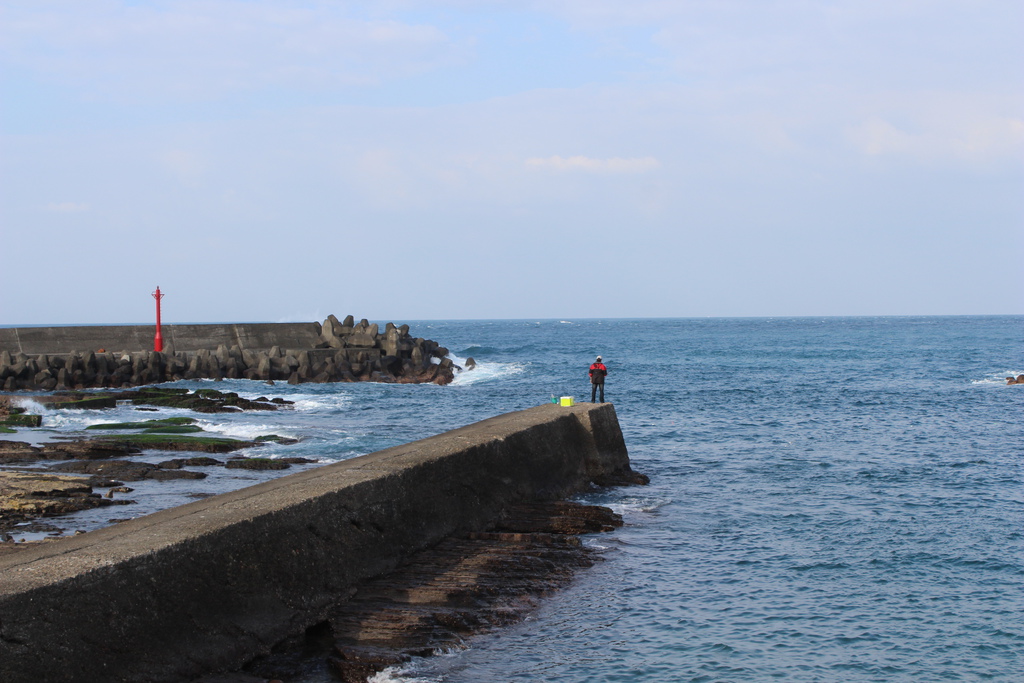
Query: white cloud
{"points": [[206, 49], [68, 207], [988, 138], [591, 165]]}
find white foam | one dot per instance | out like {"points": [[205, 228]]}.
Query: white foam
{"points": [[247, 432], [628, 504], [32, 407], [310, 402], [398, 674], [998, 377], [54, 418], [484, 371], [639, 504]]}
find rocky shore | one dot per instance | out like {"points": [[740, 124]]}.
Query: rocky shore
{"points": [[37, 481], [345, 351]]}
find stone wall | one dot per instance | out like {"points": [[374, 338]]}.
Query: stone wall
{"points": [[45, 359], [209, 585]]}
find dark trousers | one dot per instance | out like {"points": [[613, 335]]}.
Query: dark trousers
{"points": [[593, 391]]}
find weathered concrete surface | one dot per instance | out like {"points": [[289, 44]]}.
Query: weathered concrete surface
{"points": [[62, 340], [211, 584]]}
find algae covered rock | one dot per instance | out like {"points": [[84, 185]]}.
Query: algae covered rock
{"points": [[126, 470], [175, 442], [257, 464]]}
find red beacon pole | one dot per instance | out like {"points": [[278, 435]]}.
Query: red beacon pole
{"points": [[158, 340]]}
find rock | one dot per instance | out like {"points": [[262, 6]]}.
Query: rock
{"points": [[18, 451], [126, 470], [30, 495], [257, 464], [20, 419], [445, 594], [85, 449], [470, 363]]}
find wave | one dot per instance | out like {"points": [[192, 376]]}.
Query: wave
{"points": [[247, 432], [998, 377], [626, 504], [476, 350], [32, 407], [399, 674], [484, 371], [320, 402], [73, 419], [639, 504]]}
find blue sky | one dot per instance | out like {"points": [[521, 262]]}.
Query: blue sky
{"points": [[413, 160]]}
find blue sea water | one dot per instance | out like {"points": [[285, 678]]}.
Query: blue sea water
{"points": [[831, 499]]}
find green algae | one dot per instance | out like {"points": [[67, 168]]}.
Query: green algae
{"points": [[174, 442], [148, 424]]}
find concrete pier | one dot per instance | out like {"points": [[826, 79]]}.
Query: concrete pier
{"points": [[210, 585]]}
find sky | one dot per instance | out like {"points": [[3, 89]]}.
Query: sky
{"points": [[404, 160]]}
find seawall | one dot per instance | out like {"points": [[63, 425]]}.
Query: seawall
{"points": [[112, 356], [210, 585], [63, 340]]}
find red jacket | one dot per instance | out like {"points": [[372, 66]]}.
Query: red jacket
{"points": [[597, 373]]}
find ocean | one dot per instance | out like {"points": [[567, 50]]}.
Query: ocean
{"points": [[831, 499]]}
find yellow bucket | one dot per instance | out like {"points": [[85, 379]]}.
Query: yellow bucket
{"points": [[566, 401]]}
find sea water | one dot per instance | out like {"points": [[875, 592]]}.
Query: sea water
{"points": [[831, 499]]}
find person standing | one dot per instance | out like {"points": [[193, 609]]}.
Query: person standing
{"points": [[597, 375]]}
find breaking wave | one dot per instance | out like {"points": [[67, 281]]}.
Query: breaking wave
{"points": [[485, 371], [998, 377]]}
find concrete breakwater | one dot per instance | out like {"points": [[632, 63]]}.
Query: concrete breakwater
{"points": [[48, 358], [212, 584]]}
